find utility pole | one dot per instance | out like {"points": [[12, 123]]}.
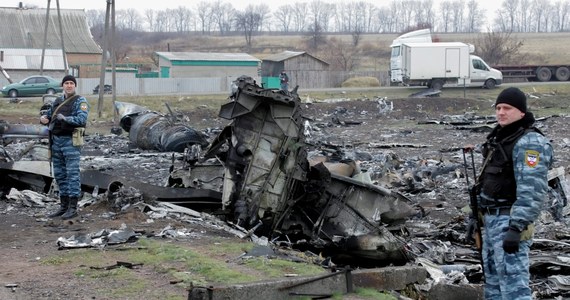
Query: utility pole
{"points": [[45, 38], [114, 63], [65, 66], [104, 61]]}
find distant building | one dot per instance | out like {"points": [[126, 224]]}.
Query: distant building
{"points": [[24, 28], [303, 70], [205, 64], [21, 63]]}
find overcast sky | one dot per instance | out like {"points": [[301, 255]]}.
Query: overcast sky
{"points": [[142, 5]]}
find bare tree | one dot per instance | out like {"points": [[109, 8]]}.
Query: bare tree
{"points": [[540, 9], [445, 8], [204, 12], [223, 15], [405, 9], [499, 48], [369, 11], [284, 16], [343, 17], [264, 16], [356, 35], [249, 22], [475, 17], [149, 16], [182, 17], [316, 36], [386, 21], [457, 8], [507, 17], [523, 16], [95, 17], [422, 11], [340, 55], [320, 13], [162, 21], [129, 19], [563, 11], [299, 13]]}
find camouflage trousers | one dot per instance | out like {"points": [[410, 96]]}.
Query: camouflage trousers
{"points": [[65, 158], [506, 275]]}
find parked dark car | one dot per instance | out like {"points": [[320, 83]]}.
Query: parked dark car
{"points": [[33, 85], [108, 89]]}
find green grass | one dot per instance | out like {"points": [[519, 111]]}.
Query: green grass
{"points": [[203, 266]]}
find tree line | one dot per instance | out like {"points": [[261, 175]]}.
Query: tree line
{"points": [[449, 16]]}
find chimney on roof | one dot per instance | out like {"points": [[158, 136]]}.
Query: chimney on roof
{"points": [[20, 5]]}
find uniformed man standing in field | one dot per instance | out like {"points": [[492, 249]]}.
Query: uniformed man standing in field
{"points": [[67, 118], [513, 187], [284, 81]]}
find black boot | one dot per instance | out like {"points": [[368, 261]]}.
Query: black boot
{"points": [[63, 205], [71, 209]]}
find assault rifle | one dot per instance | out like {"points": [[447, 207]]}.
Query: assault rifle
{"points": [[475, 223]]}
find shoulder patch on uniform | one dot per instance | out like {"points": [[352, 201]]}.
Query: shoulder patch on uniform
{"points": [[83, 106], [531, 157]]}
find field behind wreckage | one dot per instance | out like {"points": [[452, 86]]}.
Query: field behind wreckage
{"points": [[25, 110], [169, 266]]}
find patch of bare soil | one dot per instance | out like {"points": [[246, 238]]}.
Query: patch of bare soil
{"points": [[28, 240]]}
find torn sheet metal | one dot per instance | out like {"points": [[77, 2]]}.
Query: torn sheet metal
{"points": [[28, 198], [189, 197], [34, 175], [268, 178], [11, 131], [99, 239], [153, 131]]}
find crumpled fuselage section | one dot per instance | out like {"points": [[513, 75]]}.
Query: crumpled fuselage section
{"points": [[269, 181]]}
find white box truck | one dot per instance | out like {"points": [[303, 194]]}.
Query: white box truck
{"points": [[417, 36], [437, 64]]}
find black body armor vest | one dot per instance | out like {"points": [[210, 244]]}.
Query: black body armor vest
{"points": [[498, 180], [61, 127]]}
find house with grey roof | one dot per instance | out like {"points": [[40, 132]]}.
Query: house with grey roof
{"points": [[207, 64], [21, 63], [24, 28], [303, 69]]}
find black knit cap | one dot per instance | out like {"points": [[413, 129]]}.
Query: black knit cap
{"points": [[68, 78], [514, 97]]}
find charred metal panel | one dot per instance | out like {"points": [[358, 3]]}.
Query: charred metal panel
{"points": [[153, 131], [8, 131], [189, 197], [264, 153]]}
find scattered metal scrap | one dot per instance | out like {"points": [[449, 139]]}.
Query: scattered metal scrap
{"points": [[426, 93], [152, 131], [99, 239], [119, 264], [258, 173]]}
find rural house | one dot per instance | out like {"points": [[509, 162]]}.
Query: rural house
{"points": [[302, 68], [24, 29], [207, 65]]}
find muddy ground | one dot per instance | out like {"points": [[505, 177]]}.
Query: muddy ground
{"points": [[28, 249]]}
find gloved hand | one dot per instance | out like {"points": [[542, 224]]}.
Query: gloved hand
{"points": [[512, 240], [60, 117]]}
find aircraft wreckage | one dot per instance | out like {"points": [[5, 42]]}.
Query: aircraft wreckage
{"points": [[256, 173], [269, 183], [152, 131]]}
